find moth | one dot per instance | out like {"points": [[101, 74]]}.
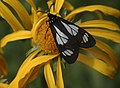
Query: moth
{"points": [[69, 38]]}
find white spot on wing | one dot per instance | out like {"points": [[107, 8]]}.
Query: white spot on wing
{"points": [[59, 41], [60, 33], [71, 52], [67, 27], [64, 40], [63, 53], [86, 34], [75, 28], [85, 37], [67, 52], [74, 33], [72, 29]]}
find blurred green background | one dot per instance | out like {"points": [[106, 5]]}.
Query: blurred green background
{"points": [[76, 75]]}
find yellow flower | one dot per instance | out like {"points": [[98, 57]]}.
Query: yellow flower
{"points": [[102, 58]]}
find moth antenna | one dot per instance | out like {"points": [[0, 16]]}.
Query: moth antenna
{"points": [[41, 11], [48, 11]]}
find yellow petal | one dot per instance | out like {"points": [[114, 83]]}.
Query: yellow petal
{"points": [[10, 18], [21, 11], [68, 6], [3, 65], [51, 8], [34, 72], [98, 54], [59, 80], [31, 2], [29, 58], [3, 85], [34, 17], [107, 49], [114, 36], [58, 5], [49, 76], [15, 36], [101, 24], [105, 58], [37, 25], [105, 9], [97, 64], [25, 72], [99, 15]]}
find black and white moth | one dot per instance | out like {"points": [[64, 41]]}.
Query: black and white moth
{"points": [[69, 37]]}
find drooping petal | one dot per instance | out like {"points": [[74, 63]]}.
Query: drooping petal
{"points": [[97, 64], [101, 24], [29, 58], [21, 11], [114, 36], [105, 9], [33, 72], [105, 58], [58, 5], [10, 18], [25, 72], [19, 35], [59, 80], [98, 54], [107, 49], [49, 76], [106, 55]]}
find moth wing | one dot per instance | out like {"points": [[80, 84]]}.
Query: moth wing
{"points": [[84, 39], [67, 48], [69, 37]]}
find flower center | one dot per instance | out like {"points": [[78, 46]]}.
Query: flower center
{"points": [[44, 38]]}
